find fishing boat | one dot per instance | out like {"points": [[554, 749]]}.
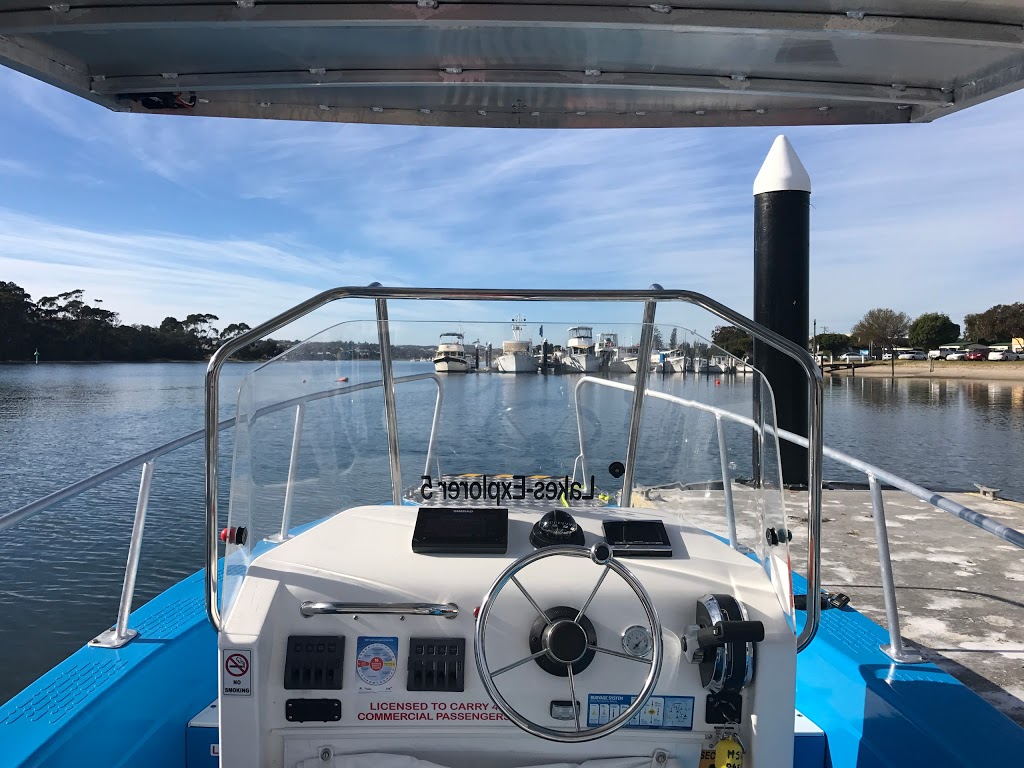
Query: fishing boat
{"points": [[612, 356], [580, 355], [516, 356], [451, 354], [395, 598]]}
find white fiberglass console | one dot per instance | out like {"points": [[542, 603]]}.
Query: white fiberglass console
{"points": [[343, 641]]}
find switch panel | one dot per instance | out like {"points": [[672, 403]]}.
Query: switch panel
{"points": [[314, 663], [437, 664]]}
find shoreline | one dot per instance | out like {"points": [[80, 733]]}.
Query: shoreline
{"points": [[953, 370]]}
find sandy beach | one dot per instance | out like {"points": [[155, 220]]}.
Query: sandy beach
{"points": [[943, 369]]}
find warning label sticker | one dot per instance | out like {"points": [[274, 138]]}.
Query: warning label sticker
{"points": [[237, 671], [669, 712], [376, 663]]}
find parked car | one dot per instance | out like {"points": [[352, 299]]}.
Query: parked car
{"points": [[1003, 354], [958, 355], [915, 355], [936, 354], [975, 354], [853, 357]]}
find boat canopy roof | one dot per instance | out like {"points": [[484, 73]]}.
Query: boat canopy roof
{"points": [[568, 64]]}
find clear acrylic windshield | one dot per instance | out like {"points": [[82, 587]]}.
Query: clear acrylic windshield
{"points": [[488, 419]]}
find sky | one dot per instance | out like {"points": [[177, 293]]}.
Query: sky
{"points": [[162, 215]]}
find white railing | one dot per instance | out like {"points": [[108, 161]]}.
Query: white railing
{"points": [[875, 475]]}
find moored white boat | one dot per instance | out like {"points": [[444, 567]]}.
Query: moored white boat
{"points": [[579, 355], [612, 356], [451, 354], [516, 355]]}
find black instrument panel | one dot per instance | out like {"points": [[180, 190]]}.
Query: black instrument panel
{"points": [[637, 538], [461, 531]]}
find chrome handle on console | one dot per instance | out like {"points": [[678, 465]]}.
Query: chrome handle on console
{"points": [[447, 610]]}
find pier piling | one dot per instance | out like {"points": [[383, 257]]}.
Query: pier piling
{"points": [[782, 196]]}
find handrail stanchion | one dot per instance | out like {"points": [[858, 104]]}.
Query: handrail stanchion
{"points": [[293, 468], [119, 634], [438, 402], [815, 475], [390, 410], [895, 650], [730, 510], [643, 367]]}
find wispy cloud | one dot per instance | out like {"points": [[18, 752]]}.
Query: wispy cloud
{"points": [[198, 214]]}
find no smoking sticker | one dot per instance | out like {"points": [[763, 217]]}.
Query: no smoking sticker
{"points": [[376, 663], [237, 671]]}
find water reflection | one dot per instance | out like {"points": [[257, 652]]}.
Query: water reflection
{"points": [[944, 434]]}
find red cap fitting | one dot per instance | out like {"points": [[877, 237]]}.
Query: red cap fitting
{"points": [[233, 535]]}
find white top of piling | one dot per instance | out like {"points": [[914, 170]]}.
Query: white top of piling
{"points": [[782, 170]]}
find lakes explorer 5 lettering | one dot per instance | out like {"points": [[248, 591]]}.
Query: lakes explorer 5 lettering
{"points": [[507, 488]]}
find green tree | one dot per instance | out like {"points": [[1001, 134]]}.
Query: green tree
{"points": [[836, 343], [235, 329], [659, 341], [732, 340], [882, 326], [16, 320], [932, 329], [998, 323], [673, 338]]}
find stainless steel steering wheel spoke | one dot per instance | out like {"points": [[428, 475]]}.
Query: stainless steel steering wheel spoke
{"points": [[532, 601], [572, 698], [519, 663], [621, 655], [593, 594]]}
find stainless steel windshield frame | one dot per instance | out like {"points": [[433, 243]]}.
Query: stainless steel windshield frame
{"points": [[759, 332]]}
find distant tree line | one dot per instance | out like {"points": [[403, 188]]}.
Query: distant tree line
{"points": [[884, 328], [69, 327]]}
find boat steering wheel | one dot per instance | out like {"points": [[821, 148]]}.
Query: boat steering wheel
{"points": [[566, 642]]}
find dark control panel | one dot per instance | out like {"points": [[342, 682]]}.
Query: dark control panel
{"points": [[460, 531], [437, 664], [314, 662], [312, 710], [637, 538]]}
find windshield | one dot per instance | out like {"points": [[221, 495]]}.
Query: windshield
{"points": [[539, 430]]}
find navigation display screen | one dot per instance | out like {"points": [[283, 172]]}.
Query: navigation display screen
{"points": [[458, 531], [637, 538]]}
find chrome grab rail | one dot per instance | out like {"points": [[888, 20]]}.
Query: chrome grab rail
{"points": [[444, 610], [650, 297], [896, 648]]}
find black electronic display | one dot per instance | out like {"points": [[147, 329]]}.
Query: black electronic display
{"points": [[637, 538], [461, 531]]}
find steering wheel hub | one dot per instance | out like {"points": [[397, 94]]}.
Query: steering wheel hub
{"points": [[553, 650], [565, 641]]}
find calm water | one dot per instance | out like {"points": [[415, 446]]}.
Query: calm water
{"points": [[60, 573]]}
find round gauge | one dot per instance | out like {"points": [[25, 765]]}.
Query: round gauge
{"points": [[637, 641]]}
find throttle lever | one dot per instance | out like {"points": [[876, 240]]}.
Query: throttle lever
{"points": [[698, 639]]}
